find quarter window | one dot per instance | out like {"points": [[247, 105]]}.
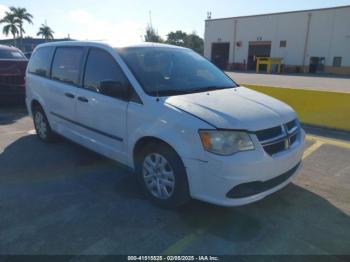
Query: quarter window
{"points": [[101, 67], [67, 63], [40, 62]]}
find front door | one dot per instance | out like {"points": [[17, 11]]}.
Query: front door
{"points": [[102, 117]]}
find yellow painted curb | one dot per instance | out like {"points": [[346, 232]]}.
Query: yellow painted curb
{"points": [[314, 107]]}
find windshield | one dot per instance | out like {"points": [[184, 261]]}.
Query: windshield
{"points": [[11, 54], [170, 71]]}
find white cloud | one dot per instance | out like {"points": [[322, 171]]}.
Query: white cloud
{"points": [[80, 16], [3, 9], [89, 27]]}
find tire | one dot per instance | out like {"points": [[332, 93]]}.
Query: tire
{"points": [[165, 184], [42, 126]]}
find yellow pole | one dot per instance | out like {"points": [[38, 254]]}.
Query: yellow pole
{"points": [[268, 67]]}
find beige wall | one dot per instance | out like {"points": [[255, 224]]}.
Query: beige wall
{"points": [[329, 35]]}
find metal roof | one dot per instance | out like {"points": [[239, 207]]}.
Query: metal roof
{"points": [[281, 13]]}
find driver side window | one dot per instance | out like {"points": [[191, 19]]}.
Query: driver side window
{"points": [[102, 67]]}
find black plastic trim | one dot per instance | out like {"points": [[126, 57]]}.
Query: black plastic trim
{"points": [[89, 128], [256, 187]]}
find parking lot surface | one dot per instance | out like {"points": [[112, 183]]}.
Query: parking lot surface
{"points": [[63, 199], [317, 82]]}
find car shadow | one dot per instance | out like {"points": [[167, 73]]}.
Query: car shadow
{"points": [[64, 190], [10, 114], [291, 221]]}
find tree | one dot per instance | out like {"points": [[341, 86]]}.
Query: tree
{"points": [[11, 25], [21, 15], [152, 36], [192, 40], [46, 32], [176, 38], [195, 42]]}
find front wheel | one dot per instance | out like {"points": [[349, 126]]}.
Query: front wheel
{"points": [[163, 176]]}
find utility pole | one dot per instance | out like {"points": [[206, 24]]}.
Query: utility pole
{"points": [[150, 19]]}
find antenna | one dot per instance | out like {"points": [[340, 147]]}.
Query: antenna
{"points": [[150, 18], [209, 15]]}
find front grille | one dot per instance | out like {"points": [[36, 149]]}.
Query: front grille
{"points": [[275, 147], [293, 138], [256, 187], [279, 138], [269, 133], [291, 126], [11, 80]]}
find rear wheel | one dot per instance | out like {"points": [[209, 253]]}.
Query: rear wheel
{"points": [[162, 175], [42, 126]]}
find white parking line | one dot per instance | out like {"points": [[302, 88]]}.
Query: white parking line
{"points": [[30, 132], [312, 149]]}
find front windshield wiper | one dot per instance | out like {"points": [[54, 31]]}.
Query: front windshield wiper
{"points": [[190, 91], [208, 88]]}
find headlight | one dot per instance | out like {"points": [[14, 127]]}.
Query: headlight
{"points": [[224, 142]]}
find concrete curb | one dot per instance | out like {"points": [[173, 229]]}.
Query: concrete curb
{"points": [[317, 108]]}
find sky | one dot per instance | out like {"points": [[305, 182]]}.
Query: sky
{"points": [[124, 22]]}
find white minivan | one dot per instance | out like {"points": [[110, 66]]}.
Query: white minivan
{"points": [[184, 127]]}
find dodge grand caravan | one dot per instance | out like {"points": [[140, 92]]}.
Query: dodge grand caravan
{"points": [[184, 127]]}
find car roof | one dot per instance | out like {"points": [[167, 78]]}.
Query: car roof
{"points": [[6, 47], [105, 44]]}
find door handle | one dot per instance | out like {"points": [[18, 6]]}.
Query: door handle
{"points": [[69, 95], [83, 99]]}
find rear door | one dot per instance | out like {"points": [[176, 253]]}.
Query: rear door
{"points": [[38, 75], [102, 117], [65, 80]]}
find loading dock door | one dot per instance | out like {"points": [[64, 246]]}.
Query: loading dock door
{"points": [[219, 54], [316, 64], [258, 49]]}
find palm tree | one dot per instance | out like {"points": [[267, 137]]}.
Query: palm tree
{"points": [[22, 15], [11, 25], [45, 31]]}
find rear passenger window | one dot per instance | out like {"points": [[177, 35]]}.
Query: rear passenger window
{"points": [[39, 63], [66, 64], [100, 67]]}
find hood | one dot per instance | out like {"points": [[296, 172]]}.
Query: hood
{"points": [[235, 108]]}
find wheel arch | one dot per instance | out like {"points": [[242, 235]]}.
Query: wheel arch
{"points": [[146, 140], [35, 103]]}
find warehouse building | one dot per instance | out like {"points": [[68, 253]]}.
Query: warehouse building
{"points": [[306, 41]]}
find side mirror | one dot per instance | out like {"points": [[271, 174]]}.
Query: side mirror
{"points": [[114, 89]]}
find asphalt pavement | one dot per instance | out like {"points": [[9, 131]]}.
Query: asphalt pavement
{"points": [[61, 198]]}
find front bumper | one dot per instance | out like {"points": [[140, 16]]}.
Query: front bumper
{"points": [[212, 179]]}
